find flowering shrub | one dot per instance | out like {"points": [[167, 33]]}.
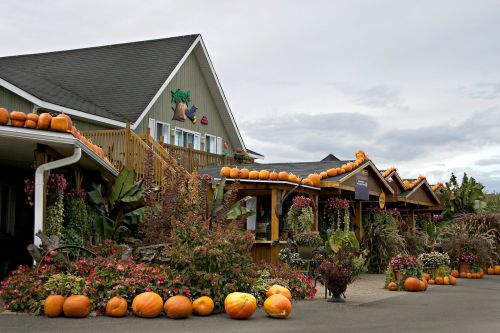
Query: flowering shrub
{"points": [[300, 285], [403, 262], [300, 202], [467, 258], [300, 216], [335, 204], [433, 260]]}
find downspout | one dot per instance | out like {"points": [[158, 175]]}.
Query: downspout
{"points": [[40, 185]]}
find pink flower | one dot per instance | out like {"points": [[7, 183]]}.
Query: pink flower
{"points": [[120, 267]]}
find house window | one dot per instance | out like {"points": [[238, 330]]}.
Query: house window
{"points": [[184, 138], [210, 144], [162, 129], [7, 210]]}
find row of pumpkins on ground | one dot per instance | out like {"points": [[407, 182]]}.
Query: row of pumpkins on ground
{"points": [[312, 179], [45, 121], [149, 305]]}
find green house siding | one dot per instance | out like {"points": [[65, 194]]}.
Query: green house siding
{"points": [[189, 77], [13, 102], [83, 125]]}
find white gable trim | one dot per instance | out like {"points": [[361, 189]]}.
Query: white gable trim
{"points": [[50, 106]]}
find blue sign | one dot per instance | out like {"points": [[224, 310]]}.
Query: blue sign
{"points": [[361, 188]]}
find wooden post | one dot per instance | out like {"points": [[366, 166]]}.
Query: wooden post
{"points": [[127, 145], [358, 219], [314, 201], [411, 220], [274, 226]]}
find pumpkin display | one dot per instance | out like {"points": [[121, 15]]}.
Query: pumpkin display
{"points": [[439, 280], [59, 124], [277, 306], [178, 307], [30, 124], [423, 285], [244, 173], [490, 270], [277, 289], [469, 275], [147, 304], [292, 178], [323, 175], [347, 167], [454, 273], [426, 276], [225, 171], [463, 275], [412, 284], [70, 122], [240, 305], [33, 117], [203, 306], [116, 307], [53, 306], [446, 280], [234, 173], [481, 273], [254, 174], [331, 172], [4, 116], [77, 306], [17, 118], [264, 174], [392, 286], [432, 281], [453, 281], [315, 178], [44, 121], [497, 269], [341, 171], [273, 175], [283, 176], [307, 181]]}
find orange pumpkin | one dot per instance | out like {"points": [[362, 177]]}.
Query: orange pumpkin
{"points": [[292, 178], [412, 284], [278, 306], [453, 281], [497, 269], [307, 181], [423, 285], [426, 276], [44, 121], [234, 173], [244, 173], [264, 174], [315, 178], [203, 306], [70, 122], [446, 280], [431, 281], [177, 307], [469, 275], [347, 167], [17, 118], [116, 307], [273, 175], [454, 273], [53, 306], [439, 280], [277, 289], [392, 286], [59, 124], [225, 171], [340, 171], [491, 270], [323, 175], [283, 176], [31, 120], [30, 124], [463, 275], [240, 305], [331, 172], [77, 306], [147, 304], [254, 174], [32, 116], [4, 116]]}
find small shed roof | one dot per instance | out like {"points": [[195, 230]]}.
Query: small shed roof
{"points": [[419, 191]]}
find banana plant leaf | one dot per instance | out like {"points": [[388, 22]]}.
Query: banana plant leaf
{"points": [[104, 227], [123, 184], [237, 211]]}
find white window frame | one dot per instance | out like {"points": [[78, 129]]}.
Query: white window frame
{"points": [[219, 144], [166, 138], [152, 127], [196, 134], [207, 137]]}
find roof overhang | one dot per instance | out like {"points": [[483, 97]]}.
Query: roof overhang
{"points": [[17, 145], [271, 182], [405, 197], [394, 175]]}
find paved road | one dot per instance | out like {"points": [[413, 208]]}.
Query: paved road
{"points": [[472, 306]]}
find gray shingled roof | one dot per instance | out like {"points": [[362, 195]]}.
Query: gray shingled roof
{"points": [[115, 81]]}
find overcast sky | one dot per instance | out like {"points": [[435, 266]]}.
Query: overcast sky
{"points": [[416, 84]]}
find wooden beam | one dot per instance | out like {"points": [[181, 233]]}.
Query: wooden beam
{"points": [[314, 203], [358, 219], [274, 226], [411, 220]]}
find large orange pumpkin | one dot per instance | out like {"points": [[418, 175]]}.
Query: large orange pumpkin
{"points": [[278, 306], [340, 171], [30, 124], [453, 281], [32, 116], [44, 121], [423, 285], [254, 174], [283, 176], [454, 273], [177, 307], [277, 289], [426, 276], [244, 173], [392, 286], [53, 306], [292, 178], [463, 275], [59, 124], [273, 175], [323, 175], [240, 305], [446, 280], [147, 304], [431, 281], [307, 181], [116, 307], [77, 306], [17, 118], [31, 120], [497, 269], [70, 122], [347, 167], [225, 171], [203, 306], [412, 284], [439, 280], [474, 275], [491, 270], [331, 172], [315, 178], [264, 174], [234, 173], [469, 275], [4, 116]]}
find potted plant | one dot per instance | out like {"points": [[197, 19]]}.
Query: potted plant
{"points": [[430, 262], [300, 218], [404, 265], [465, 262]]}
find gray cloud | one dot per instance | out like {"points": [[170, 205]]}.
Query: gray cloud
{"points": [[488, 161], [484, 91]]}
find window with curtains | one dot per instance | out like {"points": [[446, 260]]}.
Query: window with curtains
{"points": [[210, 144], [184, 138]]}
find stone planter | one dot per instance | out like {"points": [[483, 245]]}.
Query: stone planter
{"points": [[306, 251]]}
